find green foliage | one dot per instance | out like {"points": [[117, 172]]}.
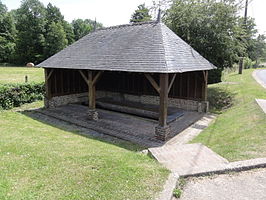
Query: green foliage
{"points": [[7, 34], [141, 14], [220, 99], [177, 193], [248, 63], [14, 95], [83, 27], [53, 14], [31, 31], [179, 188], [239, 132], [211, 27], [55, 39]]}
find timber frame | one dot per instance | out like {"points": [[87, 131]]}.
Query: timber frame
{"points": [[91, 82]]}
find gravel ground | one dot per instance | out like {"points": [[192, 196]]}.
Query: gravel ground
{"points": [[248, 185]]}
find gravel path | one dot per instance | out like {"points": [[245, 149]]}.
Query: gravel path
{"points": [[249, 185]]}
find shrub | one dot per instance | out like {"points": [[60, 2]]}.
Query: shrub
{"points": [[14, 95], [219, 99]]}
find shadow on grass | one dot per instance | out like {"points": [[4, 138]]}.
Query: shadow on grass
{"points": [[84, 132], [220, 99]]}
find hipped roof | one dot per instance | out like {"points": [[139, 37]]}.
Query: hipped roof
{"points": [[145, 47]]}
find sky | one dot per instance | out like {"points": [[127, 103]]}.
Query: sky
{"points": [[116, 12]]}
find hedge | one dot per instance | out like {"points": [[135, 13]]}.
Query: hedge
{"points": [[14, 95]]}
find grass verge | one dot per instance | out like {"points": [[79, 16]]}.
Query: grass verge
{"points": [[17, 74], [39, 161], [239, 132]]}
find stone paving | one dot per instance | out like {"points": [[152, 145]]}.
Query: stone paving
{"points": [[124, 126], [188, 159], [262, 104], [249, 185]]}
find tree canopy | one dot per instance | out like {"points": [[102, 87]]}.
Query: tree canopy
{"points": [[141, 14], [34, 32], [213, 28]]}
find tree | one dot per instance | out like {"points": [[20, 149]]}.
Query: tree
{"points": [[53, 14], [30, 25], [83, 27], [55, 39], [141, 14], [7, 35], [211, 27]]}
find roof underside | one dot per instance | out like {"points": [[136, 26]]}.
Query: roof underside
{"points": [[147, 47]]}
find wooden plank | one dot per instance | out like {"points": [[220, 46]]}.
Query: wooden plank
{"points": [[91, 93], [171, 83], [153, 82], [164, 78], [96, 78], [84, 77]]}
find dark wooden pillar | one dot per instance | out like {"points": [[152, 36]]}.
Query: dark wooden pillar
{"points": [[162, 131], [92, 92], [164, 78], [91, 82], [205, 88], [47, 74]]}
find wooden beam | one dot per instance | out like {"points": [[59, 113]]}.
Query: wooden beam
{"points": [[205, 94], [153, 82], [47, 84], [91, 93], [96, 78], [49, 75], [171, 83], [84, 77], [164, 78]]}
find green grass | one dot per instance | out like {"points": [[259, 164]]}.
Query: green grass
{"points": [[239, 132], [17, 74], [40, 161]]}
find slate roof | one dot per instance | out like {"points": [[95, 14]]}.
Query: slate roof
{"points": [[144, 47]]}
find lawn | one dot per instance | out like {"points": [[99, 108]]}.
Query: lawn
{"points": [[239, 132], [17, 74], [40, 161]]}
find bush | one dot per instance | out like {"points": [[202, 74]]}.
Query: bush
{"points": [[14, 95], [248, 63], [219, 99]]}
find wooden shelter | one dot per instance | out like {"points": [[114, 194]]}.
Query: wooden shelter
{"points": [[145, 63]]}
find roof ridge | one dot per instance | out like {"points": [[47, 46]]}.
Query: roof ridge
{"points": [[126, 25], [162, 38]]}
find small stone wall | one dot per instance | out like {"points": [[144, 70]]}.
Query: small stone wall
{"points": [[192, 105], [66, 99], [200, 106]]}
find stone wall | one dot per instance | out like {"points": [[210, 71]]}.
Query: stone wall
{"points": [[192, 105], [66, 99]]}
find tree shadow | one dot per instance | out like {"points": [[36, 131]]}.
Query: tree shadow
{"points": [[220, 99], [81, 131]]}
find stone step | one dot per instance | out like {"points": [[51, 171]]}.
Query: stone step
{"points": [[192, 158]]}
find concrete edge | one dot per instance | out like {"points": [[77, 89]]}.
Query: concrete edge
{"points": [[169, 187], [254, 74], [237, 166]]}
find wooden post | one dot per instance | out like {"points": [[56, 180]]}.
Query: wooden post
{"points": [[241, 61], [205, 88], [91, 91], [91, 82], [47, 76], [164, 78]]}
